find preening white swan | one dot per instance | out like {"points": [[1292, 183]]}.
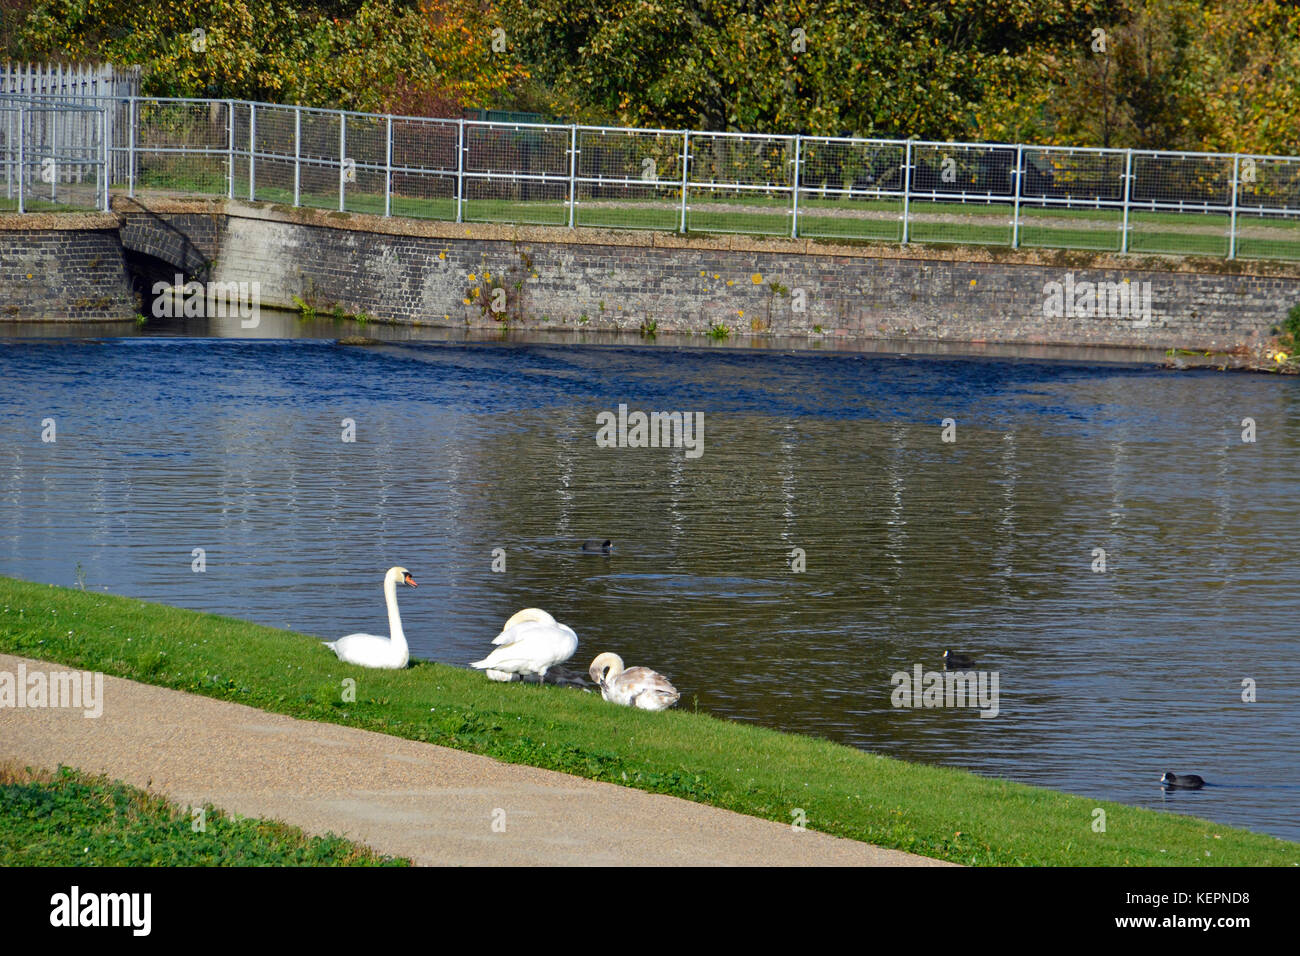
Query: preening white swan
{"points": [[507, 636], [535, 614], [530, 643], [635, 687], [371, 650]]}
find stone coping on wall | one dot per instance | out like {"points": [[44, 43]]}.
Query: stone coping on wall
{"points": [[58, 221], [440, 229]]}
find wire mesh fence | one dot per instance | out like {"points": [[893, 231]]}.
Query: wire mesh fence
{"points": [[425, 159], [1268, 194], [1071, 198], [961, 193], [629, 179], [54, 156], [851, 189], [834, 188], [741, 183], [517, 173], [177, 146]]}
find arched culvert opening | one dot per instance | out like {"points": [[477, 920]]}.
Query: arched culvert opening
{"points": [[145, 273]]}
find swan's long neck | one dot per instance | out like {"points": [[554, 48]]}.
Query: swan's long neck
{"points": [[395, 633]]}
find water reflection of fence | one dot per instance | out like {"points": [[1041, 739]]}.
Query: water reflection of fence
{"points": [[1232, 205], [53, 155]]}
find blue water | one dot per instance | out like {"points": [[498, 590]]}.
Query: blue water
{"points": [[913, 545]]}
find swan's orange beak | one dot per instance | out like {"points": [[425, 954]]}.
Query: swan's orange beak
{"points": [[411, 581]]}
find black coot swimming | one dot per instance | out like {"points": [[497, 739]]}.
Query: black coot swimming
{"points": [[598, 545], [1187, 781], [954, 662]]}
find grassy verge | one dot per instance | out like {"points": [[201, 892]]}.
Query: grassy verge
{"points": [[935, 811], [73, 819], [1156, 232]]}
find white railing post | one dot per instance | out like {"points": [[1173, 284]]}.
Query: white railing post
{"points": [[1128, 189], [461, 147], [108, 132], [297, 155], [343, 158], [252, 151], [794, 209], [1015, 214], [686, 167], [573, 174], [22, 171], [907, 187], [388, 167], [9, 171], [230, 148], [108, 154], [132, 116], [1232, 221], [54, 155]]}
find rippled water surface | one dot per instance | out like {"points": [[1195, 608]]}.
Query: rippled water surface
{"points": [[913, 545]]}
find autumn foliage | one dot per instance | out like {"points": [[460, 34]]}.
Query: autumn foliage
{"points": [[1169, 74], [428, 57]]}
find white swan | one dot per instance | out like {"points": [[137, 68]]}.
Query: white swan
{"points": [[536, 614], [507, 636], [530, 643], [638, 687], [371, 650]]}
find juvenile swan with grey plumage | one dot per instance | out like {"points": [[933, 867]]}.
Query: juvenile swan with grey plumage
{"points": [[638, 687]]}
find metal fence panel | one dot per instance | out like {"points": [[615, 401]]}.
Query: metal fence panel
{"points": [[178, 146], [821, 187], [1268, 207], [1180, 203], [516, 173], [962, 193], [1072, 198], [55, 156], [629, 179], [740, 183], [851, 189]]}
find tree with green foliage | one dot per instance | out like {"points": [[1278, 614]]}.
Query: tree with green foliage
{"points": [[879, 67], [427, 56], [1216, 75], [1163, 74]]}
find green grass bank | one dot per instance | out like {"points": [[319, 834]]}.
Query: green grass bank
{"points": [[70, 818], [935, 811]]}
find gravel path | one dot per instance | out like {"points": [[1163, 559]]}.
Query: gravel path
{"points": [[432, 804]]}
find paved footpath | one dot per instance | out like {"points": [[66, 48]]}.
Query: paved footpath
{"points": [[402, 797]]}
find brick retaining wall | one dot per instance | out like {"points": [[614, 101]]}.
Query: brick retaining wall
{"points": [[418, 272], [62, 267]]}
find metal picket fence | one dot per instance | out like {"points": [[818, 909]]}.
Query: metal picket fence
{"points": [[833, 188]]}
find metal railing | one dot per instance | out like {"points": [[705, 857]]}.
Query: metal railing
{"points": [[835, 188], [53, 155]]}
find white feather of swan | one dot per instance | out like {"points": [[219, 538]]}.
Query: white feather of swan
{"points": [[530, 647], [371, 650]]}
